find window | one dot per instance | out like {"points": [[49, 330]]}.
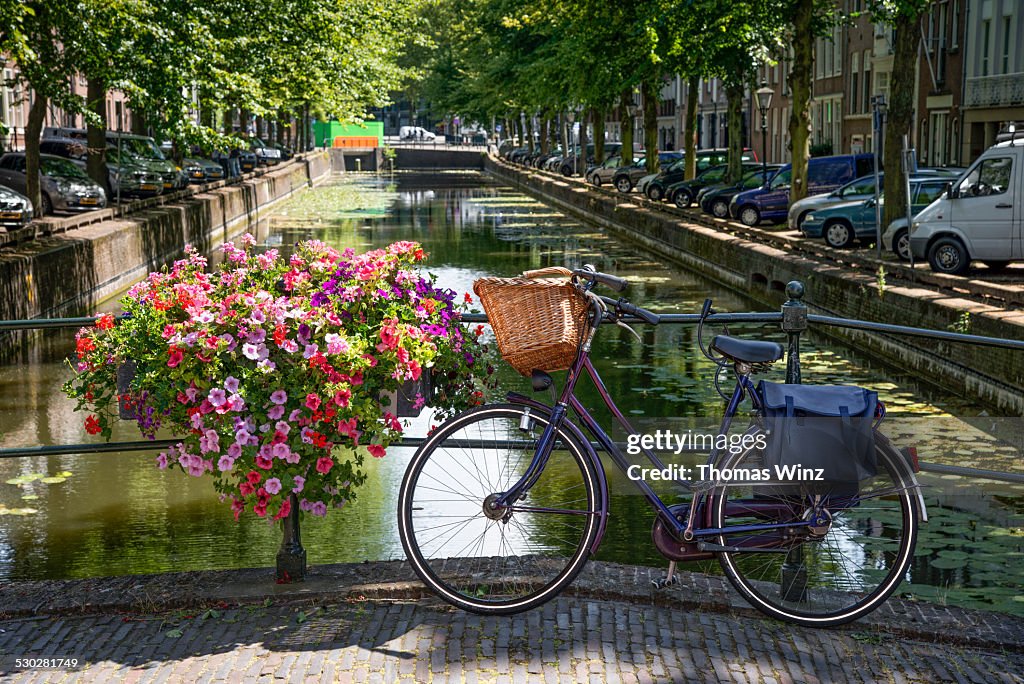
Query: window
{"points": [[929, 192], [954, 38], [1006, 45], [939, 151], [854, 84], [866, 102], [986, 27], [990, 177], [781, 180], [861, 186]]}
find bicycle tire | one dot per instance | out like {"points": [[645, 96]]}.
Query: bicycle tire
{"points": [[767, 591], [474, 583]]}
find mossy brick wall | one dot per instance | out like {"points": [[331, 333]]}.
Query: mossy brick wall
{"points": [[67, 274], [993, 375]]}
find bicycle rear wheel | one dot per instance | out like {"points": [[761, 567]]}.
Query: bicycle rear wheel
{"points": [[497, 562], [836, 572]]}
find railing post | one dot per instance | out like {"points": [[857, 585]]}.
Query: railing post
{"points": [[794, 322], [793, 587], [291, 559]]}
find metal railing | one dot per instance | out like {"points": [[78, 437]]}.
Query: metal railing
{"points": [[793, 319]]}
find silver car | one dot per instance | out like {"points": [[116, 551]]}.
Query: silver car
{"points": [[64, 186], [15, 209], [857, 189]]}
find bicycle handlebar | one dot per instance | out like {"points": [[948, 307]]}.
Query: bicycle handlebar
{"points": [[630, 309], [614, 282]]}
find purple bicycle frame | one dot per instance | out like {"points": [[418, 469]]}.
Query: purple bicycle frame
{"points": [[700, 528]]}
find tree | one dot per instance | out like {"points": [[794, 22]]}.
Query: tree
{"points": [[905, 16]]}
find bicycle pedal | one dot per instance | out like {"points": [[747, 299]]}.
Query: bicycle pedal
{"points": [[665, 582]]}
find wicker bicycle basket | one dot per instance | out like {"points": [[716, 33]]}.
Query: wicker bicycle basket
{"points": [[539, 322]]}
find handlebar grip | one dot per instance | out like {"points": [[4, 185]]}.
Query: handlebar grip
{"points": [[614, 282], [706, 309], [634, 310]]}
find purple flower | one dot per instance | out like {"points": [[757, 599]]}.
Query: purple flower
{"points": [[225, 463], [273, 485], [300, 482], [275, 412], [310, 350], [250, 351], [217, 396], [231, 384], [279, 397]]}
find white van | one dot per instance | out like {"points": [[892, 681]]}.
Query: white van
{"points": [[981, 216], [415, 133]]}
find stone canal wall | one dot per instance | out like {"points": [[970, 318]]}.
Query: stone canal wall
{"points": [[67, 274], [761, 271]]}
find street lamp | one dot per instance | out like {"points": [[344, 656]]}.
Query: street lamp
{"points": [[570, 116], [764, 101], [878, 106]]}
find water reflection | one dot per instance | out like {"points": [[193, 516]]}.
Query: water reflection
{"points": [[118, 514]]}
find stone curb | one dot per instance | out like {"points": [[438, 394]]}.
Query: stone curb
{"points": [[394, 580]]}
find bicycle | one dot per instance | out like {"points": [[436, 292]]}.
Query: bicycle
{"points": [[501, 506]]}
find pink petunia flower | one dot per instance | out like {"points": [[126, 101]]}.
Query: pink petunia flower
{"points": [[300, 482], [279, 397], [273, 485], [324, 465]]}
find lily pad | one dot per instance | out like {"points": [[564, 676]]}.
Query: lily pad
{"points": [[53, 480], [948, 563]]}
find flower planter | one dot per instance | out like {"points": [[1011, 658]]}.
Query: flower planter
{"points": [[125, 375]]}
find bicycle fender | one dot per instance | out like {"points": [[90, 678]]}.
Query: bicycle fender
{"points": [[588, 450], [907, 471]]}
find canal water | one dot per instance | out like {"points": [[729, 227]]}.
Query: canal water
{"points": [[90, 515]]}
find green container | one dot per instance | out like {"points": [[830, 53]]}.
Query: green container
{"points": [[329, 130]]}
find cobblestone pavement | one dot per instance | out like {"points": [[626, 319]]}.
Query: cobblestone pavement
{"points": [[569, 640], [371, 622]]}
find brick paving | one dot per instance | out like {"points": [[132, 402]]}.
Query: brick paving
{"points": [[386, 631]]}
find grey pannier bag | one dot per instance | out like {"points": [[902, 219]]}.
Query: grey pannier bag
{"points": [[825, 429]]}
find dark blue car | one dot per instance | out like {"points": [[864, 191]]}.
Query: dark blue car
{"points": [[824, 174]]}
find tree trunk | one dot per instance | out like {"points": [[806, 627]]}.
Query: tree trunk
{"points": [[626, 120], [690, 125], [734, 97], [598, 135], [545, 143], [228, 124], [650, 95], [529, 133], [243, 122], [800, 87], [563, 132], [900, 119], [581, 161], [33, 129], [96, 134]]}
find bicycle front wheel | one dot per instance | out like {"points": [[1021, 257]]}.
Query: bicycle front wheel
{"points": [[836, 571], [505, 561]]}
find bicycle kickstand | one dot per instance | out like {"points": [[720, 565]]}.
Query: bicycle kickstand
{"points": [[670, 579]]}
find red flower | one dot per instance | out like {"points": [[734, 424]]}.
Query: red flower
{"points": [[376, 450], [469, 298], [246, 489], [264, 462], [312, 402], [253, 477], [286, 508], [324, 465], [479, 330], [105, 322], [92, 426], [84, 345]]}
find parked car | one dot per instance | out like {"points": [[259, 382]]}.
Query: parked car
{"points": [[15, 209], [64, 185], [135, 179], [841, 224], [603, 173], [683, 193], [824, 174], [859, 188], [626, 177], [266, 155], [979, 218], [140, 148], [286, 152], [715, 199]]}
